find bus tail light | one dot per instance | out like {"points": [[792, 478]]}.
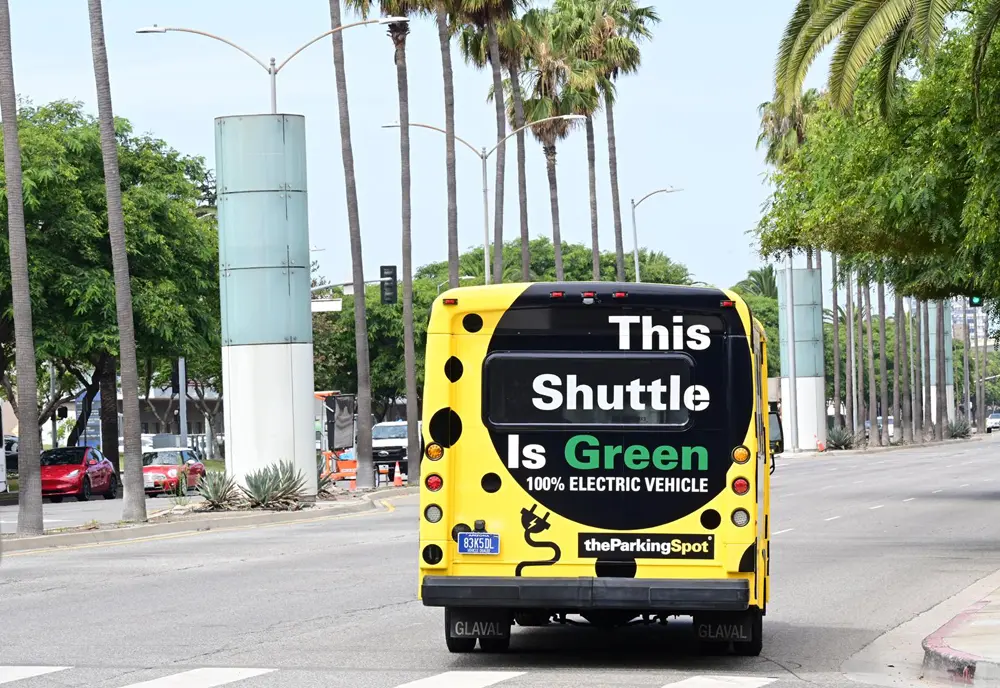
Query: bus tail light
{"points": [[741, 486], [740, 518], [741, 454], [434, 483], [433, 513], [434, 451]]}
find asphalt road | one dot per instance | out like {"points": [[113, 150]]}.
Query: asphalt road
{"points": [[71, 512], [862, 545]]}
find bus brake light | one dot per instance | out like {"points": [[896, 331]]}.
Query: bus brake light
{"points": [[741, 486], [434, 483]]}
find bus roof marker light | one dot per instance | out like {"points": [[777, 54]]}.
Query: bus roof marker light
{"points": [[557, 294], [728, 304], [434, 451], [589, 296], [741, 454], [450, 302], [619, 294]]}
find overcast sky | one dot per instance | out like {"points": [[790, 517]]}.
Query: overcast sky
{"points": [[688, 119]]}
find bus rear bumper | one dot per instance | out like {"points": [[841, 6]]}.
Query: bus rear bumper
{"points": [[579, 594]]}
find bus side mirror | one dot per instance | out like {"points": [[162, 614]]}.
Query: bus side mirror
{"points": [[777, 446]]}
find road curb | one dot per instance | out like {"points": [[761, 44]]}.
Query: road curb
{"points": [[877, 450], [57, 540], [960, 667]]}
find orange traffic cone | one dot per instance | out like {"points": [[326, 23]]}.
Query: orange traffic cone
{"points": [[397, 480]]}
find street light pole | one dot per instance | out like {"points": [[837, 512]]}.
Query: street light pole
{"points": [[484, 156], [635, 232], [270, 68]]}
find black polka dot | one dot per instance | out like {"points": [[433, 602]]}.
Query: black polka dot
{"points": [[453, 369], [445, 427], [491, 482], [710, 519], [472, 322]]}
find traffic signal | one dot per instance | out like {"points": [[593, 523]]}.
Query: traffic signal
{"points": [[388, 284], [975, 301]]}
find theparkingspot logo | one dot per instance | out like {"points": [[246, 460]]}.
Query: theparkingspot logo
{"points": [[649, 546]]}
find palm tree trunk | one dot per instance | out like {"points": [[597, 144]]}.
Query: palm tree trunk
{"points": [[966, 392], [109, 412], [522, 179], [860, 360], [819, 268], [981, 382], [905, 348], [883, 368], [928, 418], [849, 358], [398, 32], [592, 169], [134, 508], [550, 163], [615, 202], [365, 473], [494, 48], [29, 510], [918, 384], [838, 420], [444, 38], [872, 401], [942, 376], [898, 362]]}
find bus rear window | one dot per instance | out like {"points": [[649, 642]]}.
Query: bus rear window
{"points": [[563, 389]]}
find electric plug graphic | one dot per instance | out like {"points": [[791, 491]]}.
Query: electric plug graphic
{"points": [[532, 522]]}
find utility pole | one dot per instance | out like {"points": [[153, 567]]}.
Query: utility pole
{"points": [[182, 395]]}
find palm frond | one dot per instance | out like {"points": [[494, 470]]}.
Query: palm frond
{"points": [[890, 56], [983, 32], [824, 24], [928, 21]]}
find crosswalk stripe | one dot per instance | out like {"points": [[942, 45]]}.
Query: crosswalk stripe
{"points": [[722, 682], [200, 678], [8, 674], [463, 679]]}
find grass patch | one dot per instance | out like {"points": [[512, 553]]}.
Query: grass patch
{"points": [[12, 484], [215, 465]]}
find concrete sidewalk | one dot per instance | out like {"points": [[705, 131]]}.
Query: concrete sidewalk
{"points": [[812, 453], [966, 650]]}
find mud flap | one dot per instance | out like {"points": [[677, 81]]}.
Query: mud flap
{"points": [[737, 627], [475, 623]]}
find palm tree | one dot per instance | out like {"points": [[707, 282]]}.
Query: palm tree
{"points": [[849, 358], [862, 310], [904, 334], [619, 26], [444, 40], [29, 510], [882, 365], [761, 282], [364, 441], [134, 508], [398, 31], [941, 374], [867, 29], [559, 85], [872, 401], [897, 410], [928, 418]]}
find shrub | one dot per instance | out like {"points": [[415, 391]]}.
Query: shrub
{"points": [[840, 438], [218, 489], [960, 429], [275, 487]]}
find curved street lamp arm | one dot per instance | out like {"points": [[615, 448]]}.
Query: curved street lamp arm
{"points": [[222, 40], [528, 126], [428, 126], [653, 193], [324, 35]]}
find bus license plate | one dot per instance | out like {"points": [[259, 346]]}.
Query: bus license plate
{"points": [[479, 543]]}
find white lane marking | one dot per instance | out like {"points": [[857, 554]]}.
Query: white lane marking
{"points": [[876, 507], [463, 679], [201, 678], [858, 482], [9, 674], [834, 469], [950, 465], [910, 499], [965, 485], [786, 530], [722, 682], [989, 480], [832, 518], [935, 491], [878, 462], [826, 487]]}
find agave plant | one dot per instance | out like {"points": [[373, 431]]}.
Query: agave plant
{"points": [[218, 490], [323, 480], [275, 487], [960, 428], [839, 438]]}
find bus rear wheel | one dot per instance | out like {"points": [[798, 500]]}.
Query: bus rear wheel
{"points": [[456, 644], [756, 644]]}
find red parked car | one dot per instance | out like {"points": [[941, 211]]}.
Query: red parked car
{"points": [[162, 468], [77, 472]]}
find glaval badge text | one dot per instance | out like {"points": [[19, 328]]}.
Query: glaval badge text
{"points": [[645, 546]]}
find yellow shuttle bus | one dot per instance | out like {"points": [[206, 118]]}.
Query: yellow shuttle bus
{"points": [[595, 450]]}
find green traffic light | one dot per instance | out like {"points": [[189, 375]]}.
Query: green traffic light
{"points": [[975, 301]]}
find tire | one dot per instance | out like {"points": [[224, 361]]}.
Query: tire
{"points": [[112, 492], [84, 491], [756, 644], [55, 499], [495, 644], [456, 644]]}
